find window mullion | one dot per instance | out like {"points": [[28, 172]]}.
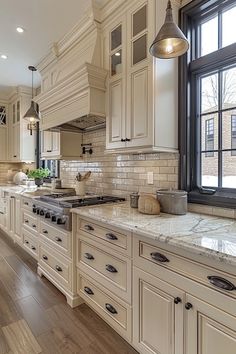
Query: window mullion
{"points": [[220, 93]]}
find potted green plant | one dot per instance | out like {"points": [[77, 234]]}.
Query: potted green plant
{"points": [[38, 175]]}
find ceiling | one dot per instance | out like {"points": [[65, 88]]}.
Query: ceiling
{"points": [[45, 22]]}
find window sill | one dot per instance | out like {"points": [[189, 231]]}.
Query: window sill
{"points": [[219, 199]]}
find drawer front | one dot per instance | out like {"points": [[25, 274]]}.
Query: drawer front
{"points": [[30, 243], [109, 266], [30, 221], [115, 312], [27, 204], [55, 264], [151, 258], [119, 241], [56, 238]]}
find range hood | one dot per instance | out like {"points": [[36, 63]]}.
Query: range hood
{"points": [[73, 85]]}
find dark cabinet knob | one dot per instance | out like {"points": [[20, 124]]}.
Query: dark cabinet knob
{"points": [[111, 309], [127, 139], [111, 236], [49, 150], [221, 283], [88, 227], [33, 248], [26, 221], [27, 242], [15, 156], [177, 300], [58, 239], [159, 257], [111, 269], [45, 232], [34, 226], [26, 203], [45, 257], [188, 306], [58, 268], [122, 140], [88, 290], [89, 256]]}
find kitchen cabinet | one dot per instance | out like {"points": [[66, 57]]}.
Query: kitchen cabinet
{"points": [[22, 144], [135, 117], [158, 315], [18, 220], [61, 145], [209, 329], [3, 131], [10, 215]]}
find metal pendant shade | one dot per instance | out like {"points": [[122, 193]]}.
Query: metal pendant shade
{"points": [[170, 42], [32, 115]]}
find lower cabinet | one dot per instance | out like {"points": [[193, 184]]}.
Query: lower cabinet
{"points": [[18, 221], [157, 315], [208, 329]]}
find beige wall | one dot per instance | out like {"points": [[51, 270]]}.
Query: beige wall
{"points": [[121, 174], [7, 170]]}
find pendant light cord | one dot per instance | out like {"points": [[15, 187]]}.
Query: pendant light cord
{"points": [[32, 84]]}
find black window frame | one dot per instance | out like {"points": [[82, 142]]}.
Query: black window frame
{"points": [[209, 138], [233, 134], [190, 66]]}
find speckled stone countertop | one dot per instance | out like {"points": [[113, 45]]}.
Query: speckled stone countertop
{"points": [[209, 236]]}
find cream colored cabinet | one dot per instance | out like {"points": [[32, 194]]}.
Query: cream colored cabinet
{"points": [[10, 216], [3, 131], [21, 144], [208, 329], [157, 316], [17, 220], [61, 145], [136, 118]]}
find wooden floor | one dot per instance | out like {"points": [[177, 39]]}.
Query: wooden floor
{"points": [[34, 316]]}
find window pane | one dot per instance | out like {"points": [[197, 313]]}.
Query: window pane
{"points": [[209, 133], [116, 38], [228, 129], [229, 170], [228, 27], [229, 88], [140, 20], [140, 49], [209, 170], [209, 36], [209, 93], [116, 63], [2, 115], [233, 134]]}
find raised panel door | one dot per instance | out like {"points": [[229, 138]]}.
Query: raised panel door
{"points": [[157, 319], [56, 143], [15, 143], [208, 329], [18, 219]]}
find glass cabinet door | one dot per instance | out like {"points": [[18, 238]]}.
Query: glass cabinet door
{"points": [[116, 51], [14, 113], [3, 116], [139, 35]]}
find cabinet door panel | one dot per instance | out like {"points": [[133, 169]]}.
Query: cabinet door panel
{"points": [[3, 141], [209, 330], [158, 321]]}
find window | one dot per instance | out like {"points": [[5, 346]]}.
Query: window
{"points": [[233, 135], [3, 115], [207, 84], [209, 137]]}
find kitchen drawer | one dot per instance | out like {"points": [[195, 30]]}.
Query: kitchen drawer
{"points": [[112, 270], [56, 265], [30, 221], [30, 243], [112, 237], [113, 310], [152, 259], [27, 204], [56, 238]]}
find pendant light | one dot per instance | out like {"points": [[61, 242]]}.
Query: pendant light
{"points": [[170, 42], [32, 115]]}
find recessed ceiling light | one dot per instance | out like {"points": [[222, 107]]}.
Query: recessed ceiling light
{"points": [[20, 29], [3, 56], [117, 54]]}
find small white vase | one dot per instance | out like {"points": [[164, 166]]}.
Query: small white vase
{"points": [[80, 188]]}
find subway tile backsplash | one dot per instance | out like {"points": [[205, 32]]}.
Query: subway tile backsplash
{"points": [[121, 174]]}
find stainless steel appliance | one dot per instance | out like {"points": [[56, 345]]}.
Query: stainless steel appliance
{"points": [[56, 207]]}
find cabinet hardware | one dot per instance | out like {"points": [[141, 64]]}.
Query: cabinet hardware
{"points": [[1, 213], [33, 248], [111, 309], [88, 290], [111, 269], [159, 257], [58, 239], [26, 203], [45, 257], [88, 228], [34, 226], [45, 232], [59, 269], [26, 221], [221, 283], [12, 197], [122, 140], [188, 306], [14, 155], [127, 139], [177, 300], [49, 150], [27, 242], [111, 236], [89, 256]]}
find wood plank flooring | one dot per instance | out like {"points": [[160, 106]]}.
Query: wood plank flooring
{"points": [[34, 316]]}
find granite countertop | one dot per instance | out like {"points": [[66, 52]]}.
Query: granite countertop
{"points": [[210, 236]]}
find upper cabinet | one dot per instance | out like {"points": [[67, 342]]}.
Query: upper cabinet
{"points": [[3, 131], [137, 82], [61, 145], [22, 145]]}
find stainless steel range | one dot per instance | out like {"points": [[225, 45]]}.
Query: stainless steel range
{"points": [[55, 208]]}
